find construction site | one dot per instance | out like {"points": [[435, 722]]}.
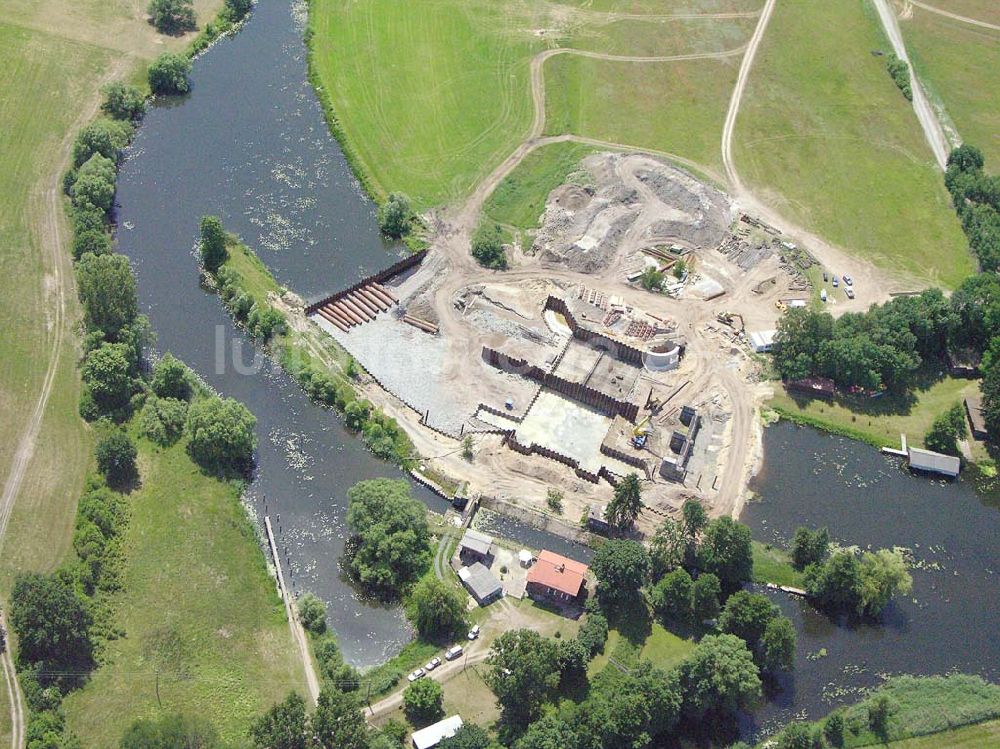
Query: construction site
{"points": [[571, 370]]}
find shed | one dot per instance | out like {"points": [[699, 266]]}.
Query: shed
{"points": [[932, 462], [476, 545], [481, 583], [977, 421], [428, 738], [762, 341]]}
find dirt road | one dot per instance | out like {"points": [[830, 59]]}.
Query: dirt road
{"points": [[933, 130], [473, 654], [955, 16]]}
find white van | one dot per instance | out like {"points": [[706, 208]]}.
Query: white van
{"points": [[453, 652]]}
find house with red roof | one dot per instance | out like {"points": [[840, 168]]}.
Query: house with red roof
{"points": [[556, 578]]}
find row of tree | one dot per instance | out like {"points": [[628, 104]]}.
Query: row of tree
{"points": [[976, 197]]}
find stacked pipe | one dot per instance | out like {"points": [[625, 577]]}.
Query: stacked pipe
{"points": [[359, 306], [423, 325]]}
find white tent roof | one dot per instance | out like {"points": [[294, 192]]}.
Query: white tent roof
{"points": [[427, 738]]}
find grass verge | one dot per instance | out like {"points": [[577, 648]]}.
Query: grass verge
{"points": [[826, 137], [201, 614]]}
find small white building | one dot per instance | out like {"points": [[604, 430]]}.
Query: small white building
{"points": [[428, 738], [932, 462], [762, 341]]}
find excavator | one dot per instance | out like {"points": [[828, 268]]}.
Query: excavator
{"points": [[640, 434]]}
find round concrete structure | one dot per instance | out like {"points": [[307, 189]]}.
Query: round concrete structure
{"points": [[662, 356]]}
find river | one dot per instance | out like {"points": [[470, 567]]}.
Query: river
{"points": [[250, 144], [949, 622]]}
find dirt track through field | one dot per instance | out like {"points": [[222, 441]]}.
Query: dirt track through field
{"points": [[955, 16], [929, 121]]}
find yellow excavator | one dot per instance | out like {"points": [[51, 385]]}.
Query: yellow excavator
{"points": [[640, 433]]}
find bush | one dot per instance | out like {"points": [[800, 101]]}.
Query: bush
{"points": [[105, 137], [946, 430], [394, 215], [422, 702], [900, 73], [123, 102], [331, 664], [168, 74], [91, 241], [651, 279], [107, 289], [162, 420], [88, 218], [222, 435], [116, 456], [312, 613], [171, 732], [94, 185], [487, 247], [238, 9], [265, 323], [172, 16], [594, 633], [810, 547]]}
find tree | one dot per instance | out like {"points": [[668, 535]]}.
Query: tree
{"points": [[778, 645], [116, 456], [719, 677], [550, 732], [331, 664], [162, 420], [213, 243], [171, 378], [222, 434], [123, 102], [356, 413], [626, 504], [238, 9], [835, 728], [94, 185], [422, 702], [573, 659], [651, 279], [469, 736], [168, 74], [705, 597], [171, 732], [809, 546], [524, 671], [107, 290], [672, 596], [946, 430], [695, 519], [394, 215], [883, 575], [836, 583], [594, 632], [312, 613], [487, 247], [726, 552], [172, 16], [391, 541], [107, 372], [621, 568], [338, 722], [747, 615], [93, 241], [439, 608], [51, 622], [104, 137], [284, 726], [966, 158], [668, 548]]}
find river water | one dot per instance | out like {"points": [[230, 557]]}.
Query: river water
{"points": [[250, 145], [949, 622]]}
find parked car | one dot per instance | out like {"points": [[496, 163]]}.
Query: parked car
{"points": [[453, 652], [836, 282], [850, 292], [825, 277], [418, 674], [822, 295], [432, 664], [474, 633], [848, 280]]}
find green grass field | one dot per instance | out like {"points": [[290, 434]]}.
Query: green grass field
{"points": [[431, 95], [957, 63], [773, 565], [519, 200], [199, 607], [826, 137], [981, 736], [982, 10], [882, 420], [661, 7], [678, 107], [659, 37], [43, 85]]}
